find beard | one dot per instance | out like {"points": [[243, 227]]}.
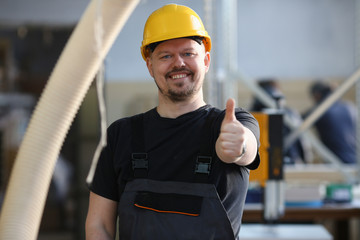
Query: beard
{"points": [[181, 91], [178, 96], [178, 93]]}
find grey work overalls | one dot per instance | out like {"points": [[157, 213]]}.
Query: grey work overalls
{"points": [[151, 209]]}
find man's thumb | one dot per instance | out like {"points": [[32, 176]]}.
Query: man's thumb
{"points": [[230, 110]]}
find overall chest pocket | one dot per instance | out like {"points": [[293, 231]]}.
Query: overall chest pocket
{"points": [[150, 209], [169, 203]]}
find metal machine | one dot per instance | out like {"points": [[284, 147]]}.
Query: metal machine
{"points": [[269, 175]]}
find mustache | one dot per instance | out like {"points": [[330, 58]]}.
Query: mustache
{"points": [[178, 70]]}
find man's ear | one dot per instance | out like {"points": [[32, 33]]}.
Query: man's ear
{"points": [[149, 66], [207, 61]]}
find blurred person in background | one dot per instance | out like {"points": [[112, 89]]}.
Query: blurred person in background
{"points": [[300, 151], [337, 126]]}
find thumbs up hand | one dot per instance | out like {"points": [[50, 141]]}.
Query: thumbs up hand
{"points": [[230, 143]]}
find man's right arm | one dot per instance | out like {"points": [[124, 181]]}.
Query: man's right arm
{"points": [[101, 218]]}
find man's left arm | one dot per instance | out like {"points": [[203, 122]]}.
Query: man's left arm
{"points": [[236, 143]]}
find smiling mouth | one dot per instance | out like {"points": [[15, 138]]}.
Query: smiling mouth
{"points": [[178, 76]]}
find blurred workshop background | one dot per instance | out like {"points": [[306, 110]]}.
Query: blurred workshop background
{"points": [[266, 54]]}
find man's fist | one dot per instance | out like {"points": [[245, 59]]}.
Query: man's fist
{"points": [[230, 143]]}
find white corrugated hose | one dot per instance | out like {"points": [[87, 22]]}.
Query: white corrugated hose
{"points": [[70, 80]]}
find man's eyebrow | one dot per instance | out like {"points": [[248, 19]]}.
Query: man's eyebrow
{"points": [[162, 52], [189, 49]]}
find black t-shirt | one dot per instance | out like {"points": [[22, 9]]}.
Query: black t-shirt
{"points": [[172, 146]]}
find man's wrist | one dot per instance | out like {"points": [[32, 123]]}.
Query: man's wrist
{"points": [[243, 150]]}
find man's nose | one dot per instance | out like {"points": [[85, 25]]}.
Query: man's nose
{"points": [[179, 61]]}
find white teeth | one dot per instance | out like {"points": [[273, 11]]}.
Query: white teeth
{"points": [[178, 76]]}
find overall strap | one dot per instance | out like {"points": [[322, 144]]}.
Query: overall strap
{"points": [[139, 157], [204, 160]]}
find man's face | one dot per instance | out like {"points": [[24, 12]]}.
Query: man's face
{"points": [[178, 67]]}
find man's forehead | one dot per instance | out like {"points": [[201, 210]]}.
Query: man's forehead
{"points": [[182, 43]]}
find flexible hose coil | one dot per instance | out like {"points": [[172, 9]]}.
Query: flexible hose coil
{"points": [[70, 80]]}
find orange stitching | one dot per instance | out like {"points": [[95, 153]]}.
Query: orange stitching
{"points": [[161, 211]]}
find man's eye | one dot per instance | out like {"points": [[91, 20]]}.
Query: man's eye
{"points": [[165, 56], [189, 54]]}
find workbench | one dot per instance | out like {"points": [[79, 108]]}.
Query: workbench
{"points": [[340, 214], [284, 232]]}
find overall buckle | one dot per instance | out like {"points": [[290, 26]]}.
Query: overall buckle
{"points": [[203, 165], [139, 161]]}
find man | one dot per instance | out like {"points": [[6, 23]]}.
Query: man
{"points": [[337, 126], [180, 170]]}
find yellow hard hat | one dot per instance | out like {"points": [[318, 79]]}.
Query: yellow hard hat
{"points": [[173, 21]]}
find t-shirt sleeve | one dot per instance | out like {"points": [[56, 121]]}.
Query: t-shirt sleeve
{"points": [[105, 181], [252, 124]]}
